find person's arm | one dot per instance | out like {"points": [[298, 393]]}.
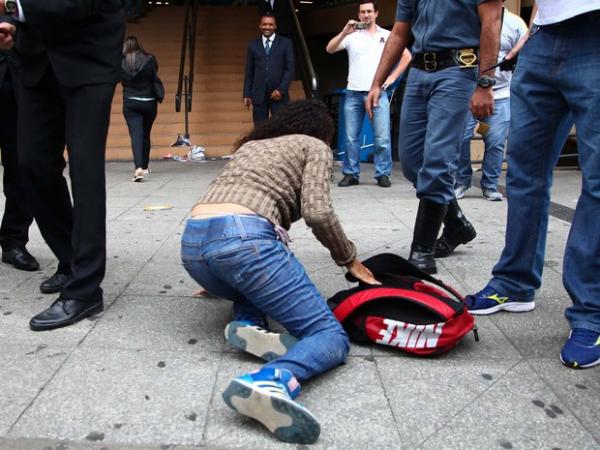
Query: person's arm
{"points": [[393, 50], [288, 71], [249, 77], [399, 70], [7, 32], [335, 44], [517, 48], [490, 14], [317, 211]]}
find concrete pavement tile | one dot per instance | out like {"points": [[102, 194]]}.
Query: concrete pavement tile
{"points": [[24, 371], [191, 325], [516, 411], [123, 396], [162, 279], [578, 390], [354, 417], [425, 394]]}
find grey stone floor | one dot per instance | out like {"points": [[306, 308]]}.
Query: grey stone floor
{"points": [[149, 373]]}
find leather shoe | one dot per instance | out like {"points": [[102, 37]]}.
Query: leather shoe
{"points": [[21, 259], [54, 284], [64, 312]]}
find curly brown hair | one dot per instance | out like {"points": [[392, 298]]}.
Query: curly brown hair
{"points": [[308, 117]]}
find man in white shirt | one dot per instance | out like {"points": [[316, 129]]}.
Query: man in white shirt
{"points": [[513, 29], [558, 73], [364, 41]]}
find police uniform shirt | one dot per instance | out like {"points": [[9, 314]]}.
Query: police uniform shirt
{"points": [[441, 25]]}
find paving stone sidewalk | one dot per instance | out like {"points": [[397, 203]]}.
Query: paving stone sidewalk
{"points": [[149, 373]]}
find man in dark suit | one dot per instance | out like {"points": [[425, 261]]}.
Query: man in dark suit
{"points": [[269, 71], [68, 59], [17, 217]]}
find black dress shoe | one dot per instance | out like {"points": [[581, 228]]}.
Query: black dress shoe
{"points": [[20, 258], [348, 180], [64, 312], [54, 284]]}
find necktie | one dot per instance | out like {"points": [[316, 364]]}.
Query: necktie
{"points": [[267, 47]]}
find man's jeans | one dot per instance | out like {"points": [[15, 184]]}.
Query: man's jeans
{"points": [[495, 141], [558, 72], [354, 112], [239, 258], [432, 124]]}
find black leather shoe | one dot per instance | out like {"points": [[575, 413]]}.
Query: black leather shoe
{"points": [[457, 230], [421, 256], [54, 284], [64, 312], [348, 180], [384, 181], [21, 259]]}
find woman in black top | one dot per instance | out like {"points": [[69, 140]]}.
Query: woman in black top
{"points": [[138, 77]]}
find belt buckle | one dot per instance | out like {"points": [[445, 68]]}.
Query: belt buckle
{"points": [[467, 58], [430, 61]]}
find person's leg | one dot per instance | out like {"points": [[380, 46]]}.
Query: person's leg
{"points": [[276, 106], [581, 263], [382, 156], [537, 108], [17, 217], [260, 112], [464, 171], [149, 117], [495, 142], [354, 114], [87, 115], [135, 123], [41, 163]]}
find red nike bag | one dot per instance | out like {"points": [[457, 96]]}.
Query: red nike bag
{"points": [[410, 311]]}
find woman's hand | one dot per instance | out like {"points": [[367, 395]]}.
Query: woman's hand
{"points": [[357, 269]]}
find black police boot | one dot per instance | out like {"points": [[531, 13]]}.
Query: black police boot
{"points": [[457, 230], [427, 226]]}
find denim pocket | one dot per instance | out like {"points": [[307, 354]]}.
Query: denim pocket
{"points": [[235, 256]]}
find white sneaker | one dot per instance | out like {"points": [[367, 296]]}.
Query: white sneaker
{"points": [[459, 191], [138, 175], [492, 195]]}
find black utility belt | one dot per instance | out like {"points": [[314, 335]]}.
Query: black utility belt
{"points": [[465, 58]]}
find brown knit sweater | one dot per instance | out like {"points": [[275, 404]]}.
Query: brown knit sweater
{"points": [[284, 179]]}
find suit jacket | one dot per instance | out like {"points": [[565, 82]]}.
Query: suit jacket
{"points": [[265, 74], [81, 40]]}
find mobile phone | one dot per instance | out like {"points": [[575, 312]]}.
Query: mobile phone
{"points": [[360, 25]]}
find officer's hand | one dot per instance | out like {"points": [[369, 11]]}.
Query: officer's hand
{"points": [[372, 100], [349, 27], [357, 269], [7, 32], [482, 102], [247, 102], [276, 95]]}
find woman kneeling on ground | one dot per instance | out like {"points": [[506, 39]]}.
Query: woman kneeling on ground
{"points": [[235, 246]]}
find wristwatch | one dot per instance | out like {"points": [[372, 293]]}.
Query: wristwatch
{"points": [[10, 6], [486, 82]]}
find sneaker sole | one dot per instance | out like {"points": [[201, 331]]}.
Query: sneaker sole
{"points": [[287, 420], [575, 365], [266, 346], [515, 307]]}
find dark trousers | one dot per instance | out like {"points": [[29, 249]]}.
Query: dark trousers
{"points": [[17, 217], [140, 116], [50, 117], [260, 112]]}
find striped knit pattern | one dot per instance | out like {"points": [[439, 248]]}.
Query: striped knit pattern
{"points": [[284, 179]]}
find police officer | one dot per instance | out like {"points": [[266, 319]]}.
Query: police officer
{"points": [[453, 42]]}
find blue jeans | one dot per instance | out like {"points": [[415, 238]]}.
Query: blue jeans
{"points": [[354, 111], [558, 73], [495, 141], [432, 124], [239, 258]]}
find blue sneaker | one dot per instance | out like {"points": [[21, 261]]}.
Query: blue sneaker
{"points": [[268, 396], [257, 341], [490, 301], [582, 349]]}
